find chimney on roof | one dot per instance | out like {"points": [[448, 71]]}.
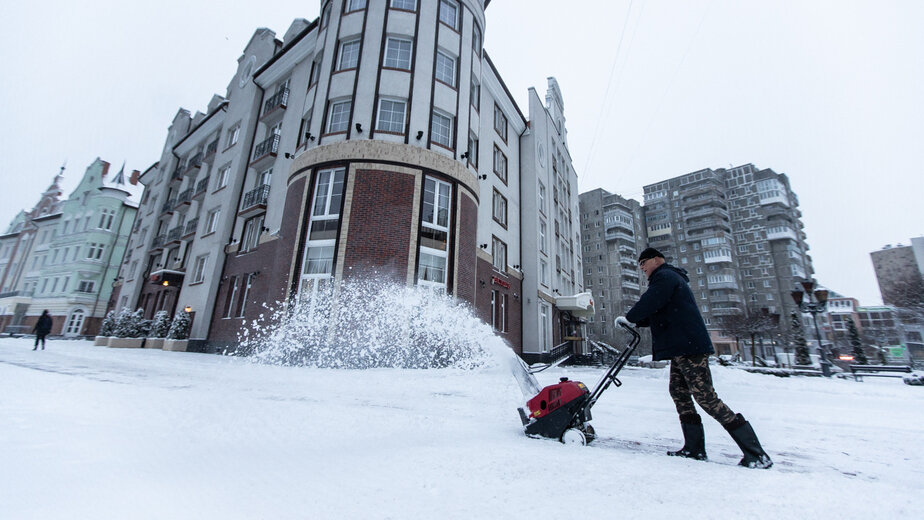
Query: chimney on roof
{"points": [[133, 180]]}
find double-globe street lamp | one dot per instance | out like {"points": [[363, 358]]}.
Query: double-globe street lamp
{"points": [[814, 308]]}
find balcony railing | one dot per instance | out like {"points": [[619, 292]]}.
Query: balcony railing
{"points": [[278, 100], [184, 197], [201, 186], [255, 197], [168, 206], [178, 172], [195, 162], [191, 226], [158, 241], [211, 150], [174, 234], [265, 148], [781, 233]]}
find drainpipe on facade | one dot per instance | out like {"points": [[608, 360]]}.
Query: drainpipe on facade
{"points": [[108, 266]]}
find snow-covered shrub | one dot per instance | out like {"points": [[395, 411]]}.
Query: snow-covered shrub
{"points": [[123, 324], [915, 378], [161, 325], [179, 329], [107, 326]]}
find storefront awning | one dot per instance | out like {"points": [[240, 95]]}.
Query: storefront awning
{"points": [[580, 305]]}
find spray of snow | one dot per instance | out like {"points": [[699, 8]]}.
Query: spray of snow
{"points": [[373, 324]]}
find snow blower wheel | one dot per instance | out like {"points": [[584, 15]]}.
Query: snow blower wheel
{"points": [[562, 411]]}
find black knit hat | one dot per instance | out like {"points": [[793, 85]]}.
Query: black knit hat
{"points": [[649, 253]]}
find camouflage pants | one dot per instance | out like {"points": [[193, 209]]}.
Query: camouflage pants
{"points": [[691, 379]]}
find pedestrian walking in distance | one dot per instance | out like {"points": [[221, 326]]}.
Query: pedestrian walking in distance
{"points": [[42, 328], [679, 334]]}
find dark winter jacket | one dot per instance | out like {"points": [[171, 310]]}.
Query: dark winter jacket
{"points": [[669, 308], [43, 325]]}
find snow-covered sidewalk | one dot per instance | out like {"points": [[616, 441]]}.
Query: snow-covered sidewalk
{"points": [[92, 432]]}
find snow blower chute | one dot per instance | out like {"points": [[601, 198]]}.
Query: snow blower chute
{"points": [[562, 411]]}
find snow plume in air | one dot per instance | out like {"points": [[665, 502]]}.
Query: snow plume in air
{"points": [[374, 324]]}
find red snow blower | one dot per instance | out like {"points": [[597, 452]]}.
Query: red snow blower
{"points": [[562, 411]]}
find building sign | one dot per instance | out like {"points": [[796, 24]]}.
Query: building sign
{"points": [[497, 281]]}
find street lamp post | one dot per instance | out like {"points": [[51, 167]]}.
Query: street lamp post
{"points": [[814, 308]]}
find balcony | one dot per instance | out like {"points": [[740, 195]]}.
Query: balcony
{"points": [[255, 200], [190, 228], [174, 234], [177, 173], [726, 311], [168, 206], [158, 242], [722, 285], [708, 224], [265, 151], [276, 104], [613, 235], [210, 151], [626, 250], [781, 233], [717, 256], [184, 197], [629, 285], [201, 186], [708, 210], [195, 162]]}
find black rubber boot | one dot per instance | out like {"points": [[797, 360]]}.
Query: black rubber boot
{"points": [[744, 436], [694, 439]]}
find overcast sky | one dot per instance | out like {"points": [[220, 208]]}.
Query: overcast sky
{"points": [[827, 92]]}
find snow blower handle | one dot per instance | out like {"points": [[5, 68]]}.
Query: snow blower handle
{"points": [[621, 321]]}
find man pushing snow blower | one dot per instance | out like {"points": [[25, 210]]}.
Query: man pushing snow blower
{"points": [[678, 333]]}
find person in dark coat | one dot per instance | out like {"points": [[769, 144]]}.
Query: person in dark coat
{"points": [[679, 334], [42, 328]]}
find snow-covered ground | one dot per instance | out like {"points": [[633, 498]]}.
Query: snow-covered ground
{"points": [[93, 432]]}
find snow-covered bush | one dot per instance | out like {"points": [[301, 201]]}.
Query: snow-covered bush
{"points": [[179, 329], [161, 325], [107, 326], [915, 378], [123, 324]]}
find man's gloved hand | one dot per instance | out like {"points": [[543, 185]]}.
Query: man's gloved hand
{"points": [[623, 322]]}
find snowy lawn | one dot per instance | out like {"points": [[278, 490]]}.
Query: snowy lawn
{"points": [[93, 432]]}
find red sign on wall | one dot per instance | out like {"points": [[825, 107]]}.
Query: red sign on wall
{"points": [[497, 281]]}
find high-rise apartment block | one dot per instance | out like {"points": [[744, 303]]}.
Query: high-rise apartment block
{"points": [[378, 140], [899, 269], [612, 235]]}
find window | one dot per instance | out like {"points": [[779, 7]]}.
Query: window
{"points": [[407, 5], [449, 13], [211, 221], [500, 164], [545, 327], [223, 175], [441, 129], [339, 119], [318, 262], [543, 237], [398, 54], [305, 128], [199, 269], [445, 69], [499, 311], [544, 272], [94, 251], [245, 291], [253, 228], [232, 296], [499, 254], [434, 233], [315, 73], [105, 218], [476, 40], [472, 149], [355, 5], [85, 286], [349, 55], [500, 123], [391, 116], [500, 208], [541, 197], [476, 94], [233, 134]]}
